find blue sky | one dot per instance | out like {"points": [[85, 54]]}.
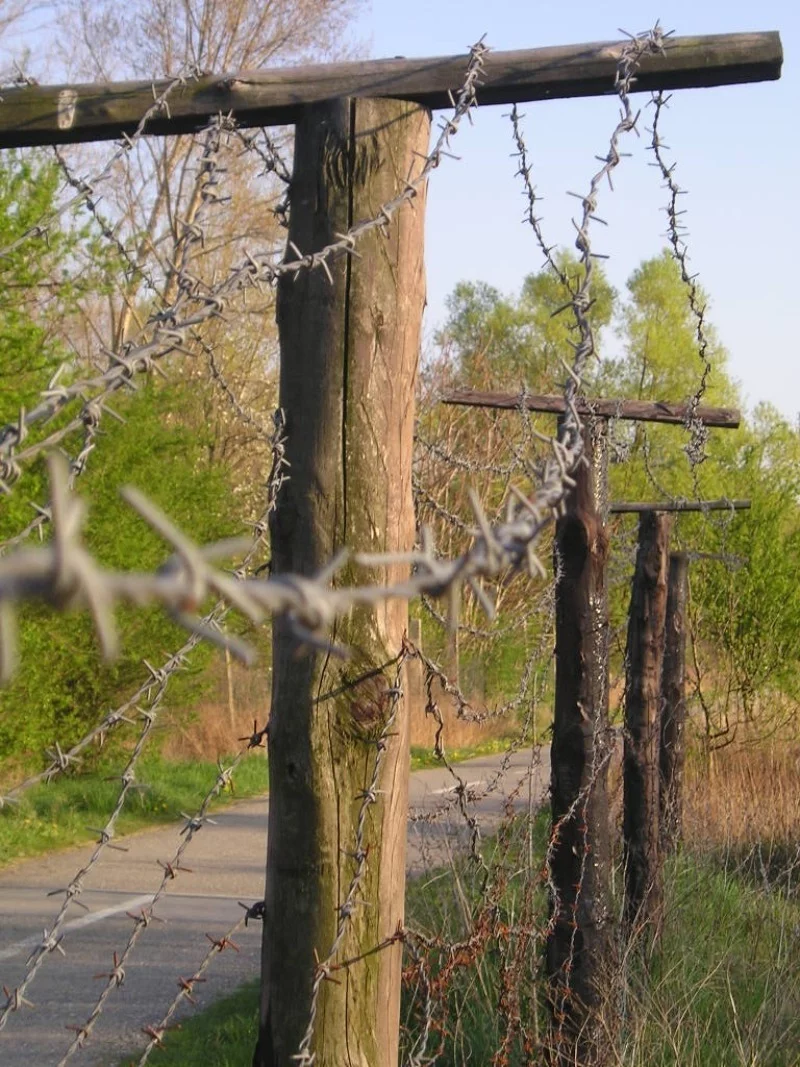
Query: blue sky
{"points": [[736, 147]]}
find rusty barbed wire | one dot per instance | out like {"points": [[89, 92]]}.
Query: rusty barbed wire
{"points": [[569, 452], [499, 545]]}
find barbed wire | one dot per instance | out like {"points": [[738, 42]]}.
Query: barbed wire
{"points": [[86, 189], [467, 952], [189, 240], [51, 939], [676, 233], [171, 870], [62, 760], [524, 171], [156, 1031], [304, 1056], [66, 576], [196, 302]]}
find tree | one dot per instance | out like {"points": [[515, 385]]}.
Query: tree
{"points": [[496, 341], [66, 682]]}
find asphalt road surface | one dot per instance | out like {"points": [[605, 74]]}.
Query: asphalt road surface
{"points": [[227, 866]]}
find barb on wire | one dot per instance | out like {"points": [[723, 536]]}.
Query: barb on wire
{"points": [[73, 890], [62, 759], [186, 989], [369, 797], [171, 870], [151, 693], [167, 330], [524, 172], [677, 233], [86, 189], [66, 575], [95, 407]]}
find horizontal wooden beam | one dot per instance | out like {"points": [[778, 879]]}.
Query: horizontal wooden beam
{"points": [[635, 410], [63, 114], [625, 508]]}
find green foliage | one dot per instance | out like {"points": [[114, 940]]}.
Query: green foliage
{"points": [[751, 609], [65, 687], [41, 280], [504, 342], [748, 616]]}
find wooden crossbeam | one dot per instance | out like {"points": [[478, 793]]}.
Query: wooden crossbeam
{"points": [[625, 508], [636, 410], [63, 114]]}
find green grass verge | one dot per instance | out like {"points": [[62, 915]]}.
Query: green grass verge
{"points": [[222, 1035], [422, 758], [723, 990], [60, 813]]}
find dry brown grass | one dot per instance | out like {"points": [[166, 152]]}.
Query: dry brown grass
{"points": [[742, 807], [213, 727], [238, 696], [743, 794]]}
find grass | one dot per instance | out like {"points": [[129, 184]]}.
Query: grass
{"points": [[723, 990], [423, 757], [222, 1035], [60, 813]]}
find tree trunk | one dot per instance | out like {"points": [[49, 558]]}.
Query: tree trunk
{"points": [[578, 945], [642, 717], [349, 354], [673, 713]]}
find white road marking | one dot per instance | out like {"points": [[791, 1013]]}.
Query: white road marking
{"points": [[454, 788], [78, 924]]}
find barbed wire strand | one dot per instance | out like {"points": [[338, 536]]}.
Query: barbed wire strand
{"points": [[160, 678]]}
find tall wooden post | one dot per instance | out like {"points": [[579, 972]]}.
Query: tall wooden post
{"points": [[673, 712], [349, 354], [642, 717], [579, 936]]}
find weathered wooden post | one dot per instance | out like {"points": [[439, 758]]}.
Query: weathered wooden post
{"points": [[673, 703], [641, 819], [348, 364], [578, 954], [579, 932], [671, 716], [349, 353]]}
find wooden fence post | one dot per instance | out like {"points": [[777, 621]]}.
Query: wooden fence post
{"points": [[579, 940], [673, 711], [642, 716], [349, 355]]}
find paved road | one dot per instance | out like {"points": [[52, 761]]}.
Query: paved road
{"points": [[227, 865]]}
